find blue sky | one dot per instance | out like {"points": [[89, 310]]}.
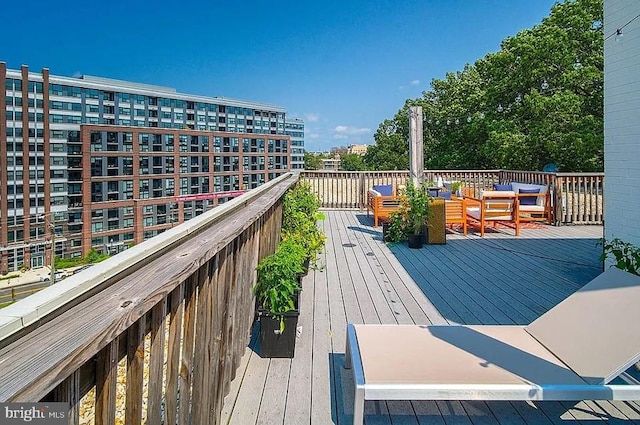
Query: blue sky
{"points": [[342, 66]]}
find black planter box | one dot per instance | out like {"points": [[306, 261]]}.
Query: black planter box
{"points": [[385, 230], [274, 344], [415, 241]]}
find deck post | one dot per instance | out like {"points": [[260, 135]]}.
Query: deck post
{"points": [[416, 140]]}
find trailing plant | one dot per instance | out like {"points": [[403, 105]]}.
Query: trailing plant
{"points": [[301, 239], [300, 213], [277, 281], [626, 255]]}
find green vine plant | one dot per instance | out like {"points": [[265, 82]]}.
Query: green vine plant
{"points": [[625, 255]]}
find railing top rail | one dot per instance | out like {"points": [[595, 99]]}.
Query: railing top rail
{"points": [[36, 307], [457, 171], [460, 171], [581, 174], [352, 172]]}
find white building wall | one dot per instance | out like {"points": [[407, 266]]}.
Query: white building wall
{"points": [[622, 121]]}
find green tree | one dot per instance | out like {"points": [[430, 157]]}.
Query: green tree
{"points": [[391, 148], [539, 99], [312, 161], [352, 162]]}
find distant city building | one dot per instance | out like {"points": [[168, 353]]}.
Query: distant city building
{"points": [[331, 163], [104, 164], [357, 149], [295, 129]]}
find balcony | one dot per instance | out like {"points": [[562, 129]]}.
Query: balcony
{"points": [[189, 290]]}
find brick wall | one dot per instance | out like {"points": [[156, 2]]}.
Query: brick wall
{"points": [[622, 121]]}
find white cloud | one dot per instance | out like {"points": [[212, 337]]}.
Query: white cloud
{"points": [[313, 136], [400, 87], [311, 117], [415, 82], [77, 74], [345, 131]]}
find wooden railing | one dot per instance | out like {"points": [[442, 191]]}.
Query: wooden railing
{"points": [[577, 197], [348, 189], [165, 333]]}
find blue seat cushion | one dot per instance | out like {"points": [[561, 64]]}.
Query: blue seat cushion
{"points": [[501, 187], [444, 194], [529, 200], [383, 189]]}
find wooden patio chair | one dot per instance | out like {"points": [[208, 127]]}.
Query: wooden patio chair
{"points": [[572, 352], [493, 206], [381, 206], [456, 213]]}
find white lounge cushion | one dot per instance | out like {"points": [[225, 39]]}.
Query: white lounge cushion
{"points": [[374, 192], [475, 213], [498, 193], [531, 208]]}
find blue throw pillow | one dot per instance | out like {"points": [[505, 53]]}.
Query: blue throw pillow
{"points": [[447, 186], [497, 186], [529, 200], [383, 189], [444, 194]]}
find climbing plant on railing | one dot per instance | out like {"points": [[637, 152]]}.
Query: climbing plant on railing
{"points": [[626, 255]]}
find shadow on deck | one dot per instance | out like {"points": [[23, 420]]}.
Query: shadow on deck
{"points": [[498, 279]]}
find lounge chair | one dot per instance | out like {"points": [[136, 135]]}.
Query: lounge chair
{"points": [[572, 352]]}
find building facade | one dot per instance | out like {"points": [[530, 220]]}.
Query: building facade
{"points": [[621, 124], [295, 129], [97, 163], [358, 149]]}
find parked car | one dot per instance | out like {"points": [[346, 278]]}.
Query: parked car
{"points": [[59, 275]]}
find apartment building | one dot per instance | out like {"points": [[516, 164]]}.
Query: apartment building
{"points": [[295, 129], [98, 163], [358, 149]]}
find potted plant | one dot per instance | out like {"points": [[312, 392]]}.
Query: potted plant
{"points": [[417, 211], [277, 290]]}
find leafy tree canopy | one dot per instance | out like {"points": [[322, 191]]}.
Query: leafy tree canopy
{"points": [[351, 162], [538, 100], [312, 161]]}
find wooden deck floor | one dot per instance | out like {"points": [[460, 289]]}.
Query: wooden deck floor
{"points": [[498, 279]]}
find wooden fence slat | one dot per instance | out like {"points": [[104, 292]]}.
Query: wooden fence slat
{"points": [[173, 354], [215, 385], [69, 392], [222, 293], [135, 369], [156, 362], [186, 358], [106, 380], [201, 365]]}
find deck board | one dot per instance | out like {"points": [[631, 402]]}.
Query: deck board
{"points": [[498, 279]]}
